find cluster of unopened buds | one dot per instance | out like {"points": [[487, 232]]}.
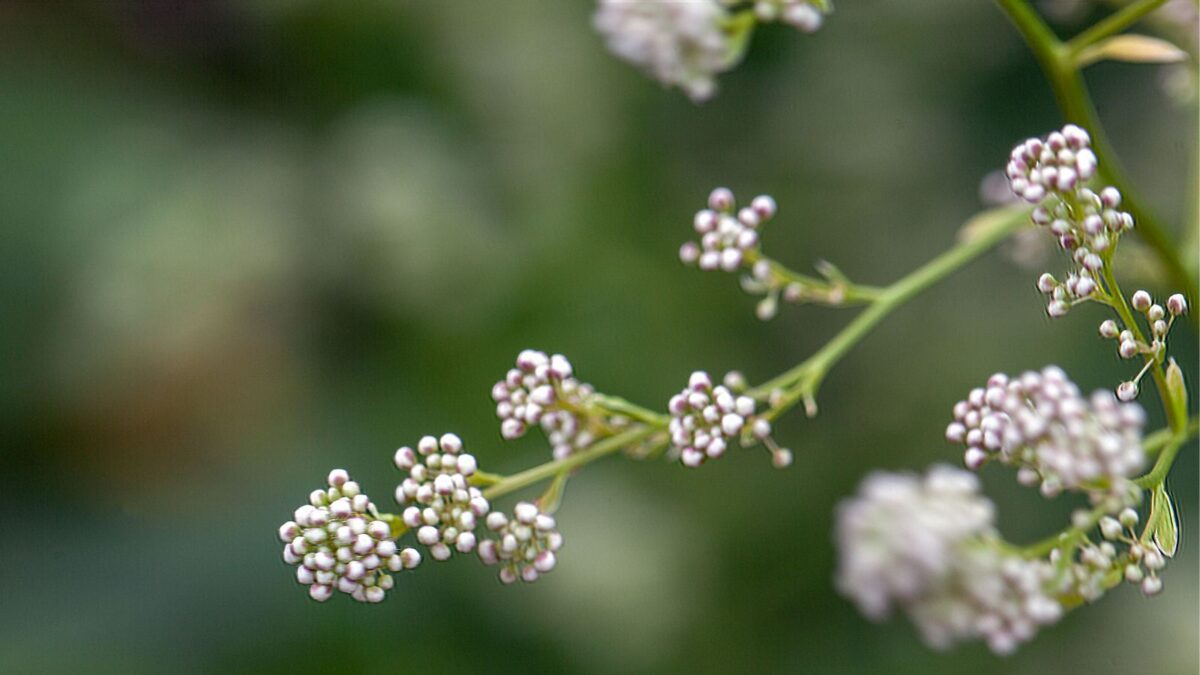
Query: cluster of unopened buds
{"points": [[525, 546], [336, 541], [729, 241], [1052, 174], [1142, 560], [728, 236], [804, 15], [1042, 424], [1094, 567], [1130, 345], [927, 545], [442, 507], [541, 390], [706, 420]]}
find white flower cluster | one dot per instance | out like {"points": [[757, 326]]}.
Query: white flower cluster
{"points": [[705, 420], [925, 545], [727, 233], [1002, 599], [1052, 173], [804, 15], [337, 542], [541, 390], [525, 545], [1128, 344], [680, 44], [1040, 423], [443, 506]]}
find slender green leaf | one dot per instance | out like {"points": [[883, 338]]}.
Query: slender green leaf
{"points": [[1131, 48], [1166, 527]]}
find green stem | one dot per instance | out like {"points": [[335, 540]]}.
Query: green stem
{"points": [[619, 406], [1170, 450], [1066, 538], [1117, 300], [847, 292], [815, 367], [1115, 23], [1058, 64], [541, 472], [1158, 440]]}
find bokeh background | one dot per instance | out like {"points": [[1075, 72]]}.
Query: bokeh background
{"points": [[248, 241]]}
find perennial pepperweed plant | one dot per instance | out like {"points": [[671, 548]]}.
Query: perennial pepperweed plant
{"points": [[924, 544]]}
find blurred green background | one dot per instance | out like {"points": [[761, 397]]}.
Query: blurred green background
{"points": [[246, 242]]}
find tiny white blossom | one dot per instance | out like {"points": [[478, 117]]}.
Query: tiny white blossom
{"points": [[680, 44], [804, 15], [924, 544]]}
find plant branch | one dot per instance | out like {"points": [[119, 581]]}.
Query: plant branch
{"points": [[1070, 91], [984, 236], [1117, 301], [542, 472], [1170, 449], [1115, 23]]}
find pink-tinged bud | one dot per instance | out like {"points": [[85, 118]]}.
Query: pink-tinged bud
{"points": [[720, 199], [974, 458], [705, 221], [545, 561], [1177, 305], [320, 593], [955, 432], [341, 509], [781, 458], [749, 217], [1152, 585], [512, 428], [1110, 197], [1047, 283], [526, 513], [1128, 349], [764, 206], [1140, 301]]}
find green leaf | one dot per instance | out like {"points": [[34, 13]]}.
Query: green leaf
{"points": [[738, 28], [1177, 389], [983, 223], [1166, 527], [1131, 48]]}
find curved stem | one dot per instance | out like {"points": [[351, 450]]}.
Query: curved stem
{"points": [[542, 472], [619, 406], [984, 237], [1113, 24], [1169, 451], [1057, 61], [1155, 442], [1065, 538], [1117, 300]]}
